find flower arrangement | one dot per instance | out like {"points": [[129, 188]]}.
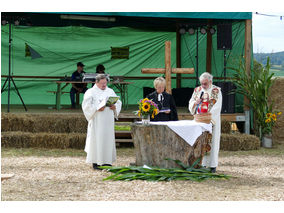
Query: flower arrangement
{"points": [[270, 120], [147, 107]]}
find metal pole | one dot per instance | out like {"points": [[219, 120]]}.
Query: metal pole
{"points": [[9, 76], [225, 64], [196, 58]]}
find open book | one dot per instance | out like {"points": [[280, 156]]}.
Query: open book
{"points": [[112, 100], [108, 101], [164, 110]]}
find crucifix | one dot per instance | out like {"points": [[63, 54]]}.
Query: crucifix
{"points": [[168, 70]]}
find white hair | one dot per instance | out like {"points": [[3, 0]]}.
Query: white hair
{"points": [[206, 75], [100, 77], [159, 81]]}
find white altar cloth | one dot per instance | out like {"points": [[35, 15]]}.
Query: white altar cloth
{"points": [[189, 130]]}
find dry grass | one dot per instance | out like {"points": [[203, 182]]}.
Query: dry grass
{"points": [[64, 175], [235, 142], [277, 96]]}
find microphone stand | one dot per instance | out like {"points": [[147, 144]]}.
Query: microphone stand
{"points": [[10, 78]]}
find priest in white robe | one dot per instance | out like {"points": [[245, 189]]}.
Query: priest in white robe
{"points": [[100, 141], [213, 95]]}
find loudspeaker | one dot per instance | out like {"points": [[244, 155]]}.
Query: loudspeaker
{"points": [[228, 104], [224, 36], [182, 96]]}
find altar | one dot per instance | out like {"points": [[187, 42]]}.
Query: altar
{"points": [[184, 140]]}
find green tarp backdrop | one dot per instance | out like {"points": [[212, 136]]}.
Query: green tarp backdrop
{"points": [[62, 47]]}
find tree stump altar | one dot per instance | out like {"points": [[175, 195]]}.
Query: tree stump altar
{"points": [[154, 143]]}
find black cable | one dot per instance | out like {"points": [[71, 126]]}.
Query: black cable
{"points": [[188, 50], [262, 14]]}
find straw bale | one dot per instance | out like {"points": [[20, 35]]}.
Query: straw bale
{"points": [[43, 140], [77, 141], [55, 123], [225, 126], [235, 142], [16, 122], [276, 94]]}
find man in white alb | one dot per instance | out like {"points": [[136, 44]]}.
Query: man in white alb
{"points": [[214, 96], [100, 141]]}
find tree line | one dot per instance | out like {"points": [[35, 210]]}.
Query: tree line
{"points": [[275, 58]]}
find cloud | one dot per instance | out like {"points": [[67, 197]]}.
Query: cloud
{"points": [[268, 33]]}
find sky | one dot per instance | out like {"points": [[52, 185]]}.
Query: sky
{"points": [[268, 32]]}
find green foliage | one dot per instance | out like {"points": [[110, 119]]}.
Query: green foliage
{"points": [[162, 174], [122, 127], [256, 88]]}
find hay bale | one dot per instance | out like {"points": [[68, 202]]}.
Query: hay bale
{"points": [[15, 139], [43, 140], [17, 122], [236, 142], [276, 94], [77, 141], [53, 123], [226, 126]]}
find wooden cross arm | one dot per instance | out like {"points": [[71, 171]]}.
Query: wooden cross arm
{"points": [[153, 70], [182, 70], [163, 70]]}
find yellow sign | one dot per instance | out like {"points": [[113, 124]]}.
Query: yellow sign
{"points": [[119, 52]]}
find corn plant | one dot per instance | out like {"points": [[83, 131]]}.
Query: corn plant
{"points": [[162, 174], [256, 88]]}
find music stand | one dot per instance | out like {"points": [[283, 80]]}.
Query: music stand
{"points": [[10, 78]]}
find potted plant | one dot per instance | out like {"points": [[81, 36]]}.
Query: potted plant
{"points": [[270, 121], [256, 87]]}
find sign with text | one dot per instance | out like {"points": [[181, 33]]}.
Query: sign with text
{"points": [[119, 52]]}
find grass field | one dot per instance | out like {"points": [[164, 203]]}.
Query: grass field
{"points": [[278, 70]]}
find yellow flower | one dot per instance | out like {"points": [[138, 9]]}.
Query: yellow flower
{"points": [[146, 107], [268, 120], [145, 99], [268, 115], [152, 115], [279, 113], [274, 117], [155, 111]]}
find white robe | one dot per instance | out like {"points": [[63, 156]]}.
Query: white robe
{"points": [[212, 159], [100, 141]]}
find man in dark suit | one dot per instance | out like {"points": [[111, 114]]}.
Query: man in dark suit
{"points": [[76, 87]]}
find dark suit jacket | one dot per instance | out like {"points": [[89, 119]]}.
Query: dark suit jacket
{"points": [[167, 103]]}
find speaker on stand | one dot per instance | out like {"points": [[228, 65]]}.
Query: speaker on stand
{"points": [[224, 40]]}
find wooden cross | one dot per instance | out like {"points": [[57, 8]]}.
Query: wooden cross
{"points": [[168, 70]]}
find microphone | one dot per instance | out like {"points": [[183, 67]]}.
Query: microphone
{"points": [[201, 94], [199, 103]]}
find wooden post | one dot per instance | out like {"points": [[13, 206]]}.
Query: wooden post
{"points": [[178, 57], [209, 48], [58, 96], [248, 39], [168, 67]]}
